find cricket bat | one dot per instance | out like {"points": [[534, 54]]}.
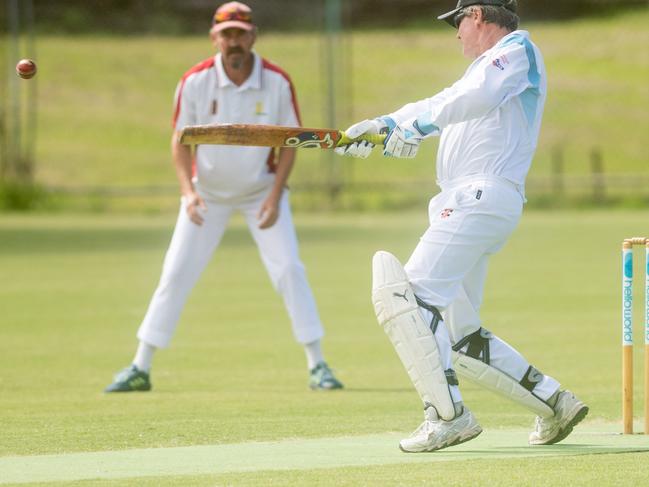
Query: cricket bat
{"points": [[270, 136]]}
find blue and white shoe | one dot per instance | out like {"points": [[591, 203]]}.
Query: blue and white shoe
{"points": [[130, 379], [321, 377]]}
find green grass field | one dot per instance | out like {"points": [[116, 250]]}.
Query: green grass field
{"points": [[230, 404]]}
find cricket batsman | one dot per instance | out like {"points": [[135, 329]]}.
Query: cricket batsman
{"points": [[488, 122]]}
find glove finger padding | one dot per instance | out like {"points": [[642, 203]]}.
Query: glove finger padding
{"points": [[360, 149]]}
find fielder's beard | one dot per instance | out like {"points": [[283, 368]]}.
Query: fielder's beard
{"points": [[236, 58]]}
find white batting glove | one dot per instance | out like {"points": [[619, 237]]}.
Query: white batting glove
{"points": [[363, 148], [360, 149], [403, 141]]}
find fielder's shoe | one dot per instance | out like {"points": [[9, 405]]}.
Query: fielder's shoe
{"points": [[567, 413], [435, 433], [321, 377], [130, 379]]}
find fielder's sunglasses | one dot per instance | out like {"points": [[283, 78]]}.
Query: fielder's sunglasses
{"points": [[232, 15]]}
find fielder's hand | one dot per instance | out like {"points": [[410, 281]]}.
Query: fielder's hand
{"points": [[403, 141], [363, 148], [195, 206], [268, 213]]}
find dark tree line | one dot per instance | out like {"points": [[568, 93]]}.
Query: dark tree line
{"points": [[193, 16]]}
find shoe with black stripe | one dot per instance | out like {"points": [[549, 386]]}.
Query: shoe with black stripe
{"points": [[129, 380]]}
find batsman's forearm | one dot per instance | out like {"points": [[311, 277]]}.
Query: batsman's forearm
{"points": [[183, 162]]}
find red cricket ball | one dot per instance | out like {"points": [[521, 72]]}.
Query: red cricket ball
{"points": [[26, 68]]}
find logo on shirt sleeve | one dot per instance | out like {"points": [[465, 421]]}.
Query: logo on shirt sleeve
{"points": [[500, 62]]}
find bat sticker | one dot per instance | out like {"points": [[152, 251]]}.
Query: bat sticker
{"points": [[311, 140]]}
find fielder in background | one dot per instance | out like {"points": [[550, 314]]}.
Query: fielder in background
{"points": [[235, 86], [489, 124]]}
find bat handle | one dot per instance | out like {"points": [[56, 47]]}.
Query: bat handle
{"points": [[376, 139]]}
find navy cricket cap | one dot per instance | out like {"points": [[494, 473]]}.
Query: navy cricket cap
{"points": [[450, 16]]}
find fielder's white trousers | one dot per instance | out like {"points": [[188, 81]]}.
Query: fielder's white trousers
{"points": [[191, 248], [470, 220]]}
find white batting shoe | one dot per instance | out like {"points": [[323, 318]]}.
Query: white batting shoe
{"points": [[568, 411], [435, 433]]}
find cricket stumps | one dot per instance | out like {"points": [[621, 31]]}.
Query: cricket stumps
{"points": [[627, 333]]}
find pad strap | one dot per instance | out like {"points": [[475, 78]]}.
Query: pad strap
{"points": [[451, 377], [531, 378], [478, 345], [437, 316]]}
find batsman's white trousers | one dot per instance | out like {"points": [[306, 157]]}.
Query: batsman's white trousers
{"points": [[470, 220], [191, 248]]}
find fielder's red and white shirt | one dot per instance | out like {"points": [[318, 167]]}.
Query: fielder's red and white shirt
{"points": [[205, 95]]}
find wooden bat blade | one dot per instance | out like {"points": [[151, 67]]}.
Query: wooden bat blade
{"points": [[260, 135]]}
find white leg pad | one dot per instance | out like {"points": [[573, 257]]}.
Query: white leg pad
{"points": [[397, 311], [500, 383]]}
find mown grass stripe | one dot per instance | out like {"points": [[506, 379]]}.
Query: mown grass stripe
{"points": [[298, 454]]}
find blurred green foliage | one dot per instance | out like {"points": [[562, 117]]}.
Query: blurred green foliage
{"points": [[22, 197], [104, 118], [105, 105]]}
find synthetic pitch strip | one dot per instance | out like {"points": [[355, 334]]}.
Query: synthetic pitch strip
{"points": [[301, 454]]}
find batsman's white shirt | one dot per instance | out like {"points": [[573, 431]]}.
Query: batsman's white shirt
{"points": [[489, 119], [489, 122], [206, 95]]}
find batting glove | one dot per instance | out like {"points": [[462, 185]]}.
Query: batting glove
{"points": [[403, 141], [363, 148]]}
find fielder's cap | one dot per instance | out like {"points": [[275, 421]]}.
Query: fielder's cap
{"points": [[235, 15], [450, 16]]}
